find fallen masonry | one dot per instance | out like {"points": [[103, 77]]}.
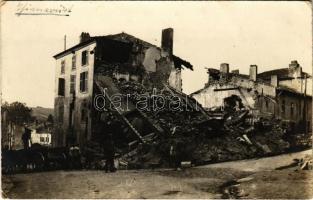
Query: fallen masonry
{"points": [[305, 163], [150, 137], [146, 137]]}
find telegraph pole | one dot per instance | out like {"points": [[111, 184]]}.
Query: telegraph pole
{"points": [[305, 105], [64, 42]]}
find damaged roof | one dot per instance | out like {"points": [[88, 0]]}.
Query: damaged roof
{"points": [[123, 38], [73, 48], [178, 62], [281, 73], [284, 72]]}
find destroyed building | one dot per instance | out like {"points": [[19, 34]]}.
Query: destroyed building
{"points": [[284, 94], [99, 62], [122, 68]]}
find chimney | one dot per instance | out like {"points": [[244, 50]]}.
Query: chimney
{"points": [[294, 64], [84, 36], [253, 72], [274, 80], [224, 68], [295, 69], [167, 40], [235, 71]]}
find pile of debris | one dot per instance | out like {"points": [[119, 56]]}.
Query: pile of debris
{"points": [[165, 126], [306, 163], [203, 148], [197, 135]]}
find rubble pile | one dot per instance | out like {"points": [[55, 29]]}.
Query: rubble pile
{"points": [[300, 140], [166, 109], [227, 145], [192, 135], [306, 163]]}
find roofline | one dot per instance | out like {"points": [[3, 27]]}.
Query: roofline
{"points": [[290, 91], [92, 39], [76, 47], [285, 68], [198, 91]]}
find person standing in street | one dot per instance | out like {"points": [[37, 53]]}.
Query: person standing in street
{"points": [[26, 136], [109, 154], [107, 121]]}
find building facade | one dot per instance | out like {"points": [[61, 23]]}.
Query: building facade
{"points": [[120, 57], [285, 93]]}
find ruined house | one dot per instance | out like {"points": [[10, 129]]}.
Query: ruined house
{"points": [[99, 62], [284, 93]]}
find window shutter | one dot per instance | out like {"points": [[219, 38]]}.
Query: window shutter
{"points": [[86, 81], [62, 66], [74, 62], [81, 82], [61, 91]]}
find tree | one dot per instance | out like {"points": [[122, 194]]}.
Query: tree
{"points": [[17, 112], [50, 118]]}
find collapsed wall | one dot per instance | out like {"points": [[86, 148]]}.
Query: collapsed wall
{"points": [[183, 130]]}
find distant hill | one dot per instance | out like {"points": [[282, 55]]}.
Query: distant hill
{"points": [[42, 113]]}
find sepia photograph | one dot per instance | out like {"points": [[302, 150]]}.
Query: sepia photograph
{"points": [[156, 100]]}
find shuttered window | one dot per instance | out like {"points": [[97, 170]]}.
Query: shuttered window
{"points": [[62, 66], [74, 62], [84, 58], [84, 82], [60, 114], [72, 86], [61, 89]]}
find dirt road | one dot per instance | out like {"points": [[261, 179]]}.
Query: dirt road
{"points": [[223, 180], [193, 183], [261, 164]]}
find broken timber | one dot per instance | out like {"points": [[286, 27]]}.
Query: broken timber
{"points": [[182, 96], [122, 116], [154, 125], [226, 89]]}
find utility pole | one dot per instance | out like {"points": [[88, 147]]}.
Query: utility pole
{"points": [[305, 105], [64, 42]]}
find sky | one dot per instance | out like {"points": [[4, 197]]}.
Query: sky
{"points": [[268, 34]]}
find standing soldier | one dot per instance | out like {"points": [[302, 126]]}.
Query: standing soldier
{"points": [[175, 150], [109, 154], [26, 137], [108, 144]]}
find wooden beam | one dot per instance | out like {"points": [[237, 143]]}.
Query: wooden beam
{"points": [[226, 89]]}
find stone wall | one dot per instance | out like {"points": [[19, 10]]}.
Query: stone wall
{"points": [[62, 126]]}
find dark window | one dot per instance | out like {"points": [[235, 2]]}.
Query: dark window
{"points": [[83, 115], [84, 112], [299, 108], [62, 66], [74, 62], [84, 81], [283, 107], [61, 113], [61, 89], [292, 109], [84, 58], [72, 86], [266, 104]]}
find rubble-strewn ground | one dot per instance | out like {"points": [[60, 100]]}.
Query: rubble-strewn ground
{"points": [[248, 179]]}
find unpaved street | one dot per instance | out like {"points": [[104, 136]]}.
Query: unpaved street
{"points": [[193, 183], [223, 180]]}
